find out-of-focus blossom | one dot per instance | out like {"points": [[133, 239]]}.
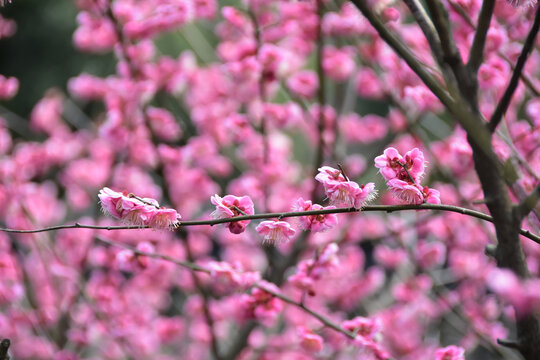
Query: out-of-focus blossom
{"points": [[451, 352], [8, 87], [309, 340]]}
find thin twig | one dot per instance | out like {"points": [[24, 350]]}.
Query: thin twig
{"points": [[313, 313]]}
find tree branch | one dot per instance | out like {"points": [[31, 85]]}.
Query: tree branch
{"points": [[529, 203], [424, 22], [194, 267], [466, 119], [476, 55], [504, 103], [367, 208]]}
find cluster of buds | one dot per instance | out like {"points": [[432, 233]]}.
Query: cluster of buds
{"points": [[403, 175]]}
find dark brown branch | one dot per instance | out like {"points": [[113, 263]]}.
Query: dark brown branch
{"points": [[504, 103], [4, 347], [440, 21], [367, 208], [472, 124], [526, 80], [476, 55], [509, 344], [427, 28]]}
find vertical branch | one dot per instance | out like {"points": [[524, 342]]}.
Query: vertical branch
{"points": [[476, 56], [465, 109], [321, 97]]}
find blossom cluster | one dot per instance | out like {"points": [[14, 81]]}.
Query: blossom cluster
{"points": [[343, 192], [403, 175], [137, 211]]}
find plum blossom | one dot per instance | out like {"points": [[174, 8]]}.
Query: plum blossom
{"points": [[403, 175], [231, 206], [137, 211], [343, 192], [275, 232], [314, 223], [409, 167]]}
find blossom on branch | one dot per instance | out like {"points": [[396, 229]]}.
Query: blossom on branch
{"points": [[314, 223], [231, 206], [343, 192], [275, 232], [137, 211], [403, 175]]}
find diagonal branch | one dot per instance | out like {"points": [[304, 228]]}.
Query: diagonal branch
{"points": [[503, 105], [529, 203], [467, 120], [424, 22]]}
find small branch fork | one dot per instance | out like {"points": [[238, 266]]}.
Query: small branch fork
{"points": [[380, 208]]}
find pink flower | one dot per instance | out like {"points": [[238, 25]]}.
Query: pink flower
{"points": [[406, 192], [229, 277], [364, 327], [8, 87], [231, 206], [137, 211], [344, 193], [261, 305], [451, 352], [303, 83], [393, 165], [431, 196], [350, 194], [327, 175], [314, 222], [275, 232]]}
